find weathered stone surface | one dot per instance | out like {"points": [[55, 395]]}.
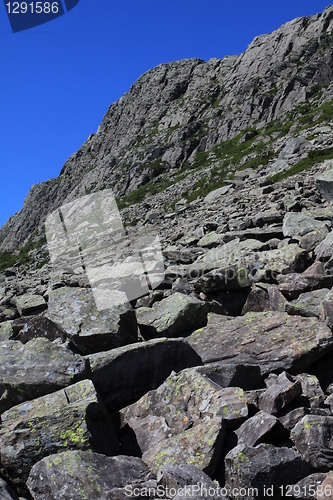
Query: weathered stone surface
{"points": [[28, 328], [299, 224], [172, 317], [29, 303], [264, 465], [311, 240], [325, 489], [313, 439], [307, 487], [82, 474], [264, 297], [307, 304], [324, 184], [324, 250], [272, 340], [279, 394], [35, 369], [188, 480], [325, 309], [74, 310], [312, 392], [210, 240], [292, 285], [70, 419], [254, 430], [123, 375], [216, 195], [179, 411]]}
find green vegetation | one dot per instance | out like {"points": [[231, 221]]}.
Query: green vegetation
{"points": [[313, 157], [8, 259]]}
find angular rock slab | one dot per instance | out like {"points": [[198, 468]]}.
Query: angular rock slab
{"points": [[254, 430], [272, 340], [172, 317], [193, 413], [35, 369], [307, 304], [123, 375], [29, 303], [278, 395], [189, 481], [299, 224], [6, 493], [84, 475], [313, 438], [263, 466], [75, 312], [70, 419], [324, 184]]}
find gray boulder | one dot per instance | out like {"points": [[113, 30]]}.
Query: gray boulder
{"points": [[6, 493], [263, 467], [20, 380], [189, 481], [83, 474], [299, 224], [324, 184], [70, 419], [313, 439], [307, 304], [281, 393], [172, 317], [257, 428], [324, 250], [272, 340], [74, 311], [123, 375], [29, 303]]}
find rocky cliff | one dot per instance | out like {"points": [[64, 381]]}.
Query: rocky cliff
{"points": [[179, 111]]}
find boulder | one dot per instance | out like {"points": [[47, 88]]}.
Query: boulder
{"points": [[217, 194], [257, 428], [6, 493], [281, 393], [295, 145], [69, 419], [35, 369], [313, 439], [188, 481], [245, 376], [325, 309], [312, 239], [264, 297], [210, 240], [94, 476], [75, 312], [170, 423], [292, 285], [31, 327], [312, 393], [324, 184], [123, 375], [172, 317], [29, 303], [325, 489], [299, 224], [307, 304], [306, 488], [272, 340], [324, 251], [263, 467]]}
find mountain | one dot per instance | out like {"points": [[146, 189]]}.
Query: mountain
{"points": [[174, 116]]}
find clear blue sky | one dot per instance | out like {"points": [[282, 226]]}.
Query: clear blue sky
{"points": [[58, 80]]}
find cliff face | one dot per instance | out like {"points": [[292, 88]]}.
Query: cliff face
{"points": [[177, 111]]}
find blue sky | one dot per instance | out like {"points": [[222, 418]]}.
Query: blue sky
{"points": [[58, 80]]}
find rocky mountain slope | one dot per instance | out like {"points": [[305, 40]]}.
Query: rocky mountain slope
{"points": [[218, 383]]}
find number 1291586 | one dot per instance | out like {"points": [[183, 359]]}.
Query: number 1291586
{"points": [[32, 7]]}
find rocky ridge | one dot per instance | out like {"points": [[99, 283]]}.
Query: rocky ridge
{"points": [[220, 379]]}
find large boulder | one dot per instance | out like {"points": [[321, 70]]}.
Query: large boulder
{"points": [[35, 369], [29, 303], [85, 475], [172, 317], [70, 419], [279, 394], [299, 224], [188, 481], [123, 375], [307, 304], [170, 423], [265, 468], [313, 437], [324, 184], [272, 340], [74, 310]]}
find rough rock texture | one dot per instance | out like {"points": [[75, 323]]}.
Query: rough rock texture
{"points": [[82, 474], [271, 339]]}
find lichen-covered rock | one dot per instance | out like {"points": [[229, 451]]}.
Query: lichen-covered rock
{"points": [[35, 369], [307, 304], [324, 184], [184, 420], [264, 466], [299, 224], [6, 493], [315, 276], [273, 340], [313, 436], [324, 250], [123, 375], [70, 419], [29, 303], [172, 317], [264, 297], [312, 393], [188, 481], [74, 310], [84, 475]]}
